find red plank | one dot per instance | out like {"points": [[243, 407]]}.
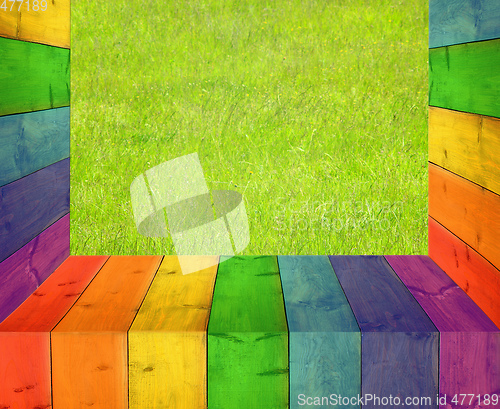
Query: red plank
{"points": [[471, 271], [27, 268], [25, 377]]}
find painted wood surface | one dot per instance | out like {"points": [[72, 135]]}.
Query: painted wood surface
{"points": [[466, 144], [25, 373], [324, 337], [465, 330], [32, 141], [32, 77], [462, 21], [25, 270], [471, 212], [31, 204], [399, 342], [471, 271], [451, 70], [168, 341], [247, 336], [89, 345], [49, 25]]}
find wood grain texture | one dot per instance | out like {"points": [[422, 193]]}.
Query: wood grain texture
{"points": [[462, 21], [465, 329], [25, 378], [168, 341], [451, 70], [24, 271], [247, 336], [471, 212], [32, 77], [399, 343], [325, 341], [32, 141], [466, 144], [89, 345], [31, 204], [471, 271], [51, 26]]}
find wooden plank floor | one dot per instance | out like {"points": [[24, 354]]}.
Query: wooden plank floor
{"points": [[325, 341], [247, 336], [142, 334]]}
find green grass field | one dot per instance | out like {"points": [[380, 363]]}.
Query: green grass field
{"points": [[316, 111]]}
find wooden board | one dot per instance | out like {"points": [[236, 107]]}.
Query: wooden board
{"points": [[89, 345], [469, 349], [32, 141], [451, 70], [324, 338], [32, 77], [471, 212], [27, 268], [466, 144], [471, 271], [247, 336], [399, 343], [462, 21], [168, 340], [25, 377], [31, 204], [49, 25]]}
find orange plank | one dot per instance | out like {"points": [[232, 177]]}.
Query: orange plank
{"points": [[89, 345], [25, 380], [472, 272], [469, 211], [466, 144]]}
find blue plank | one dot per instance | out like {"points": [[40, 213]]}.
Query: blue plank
{"points": [[325, 341], [32, 141], [462, 21], [400, 344], [31, 204]]}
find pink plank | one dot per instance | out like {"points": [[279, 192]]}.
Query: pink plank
{"points": [[469, 340], [23, 272]]}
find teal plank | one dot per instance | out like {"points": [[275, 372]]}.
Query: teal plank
{"points": [[247, 336], [466, 77], [325, 340], [32, 76], [463, 21], [32, 141]]}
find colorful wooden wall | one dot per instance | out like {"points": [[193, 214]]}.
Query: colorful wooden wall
{"points": [[34, 146], [464, 146]]}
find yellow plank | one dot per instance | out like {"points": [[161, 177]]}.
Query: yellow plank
{"points": [[50, 26], [167, 340], [466, 144]]}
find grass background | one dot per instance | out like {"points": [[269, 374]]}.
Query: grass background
{"points": [[316, 111]]}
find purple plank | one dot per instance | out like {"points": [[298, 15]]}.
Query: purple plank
{"points": [[470, 341], [399, 343], [31, 204], [24, 271]]}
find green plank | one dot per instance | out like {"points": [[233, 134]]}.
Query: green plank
{"points": [[325, 340], [466, 77], [32, 76], [32, 141], [247, 336]]}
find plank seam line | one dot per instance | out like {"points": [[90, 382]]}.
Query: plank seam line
{"points": [[470, 247], [34, 237], [464, 178], [465, 42], [33, 42], [462, 112], [81, 293], [36, 110], [411, 294], [38, 170], [287, 328]]}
